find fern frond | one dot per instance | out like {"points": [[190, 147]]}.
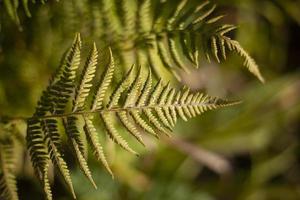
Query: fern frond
{"points": [[42, 135], [63, 87], [125, 83], [131, 128], [249, 62], [104, 83], [93, 139], [12, 7], [145, 16], [130, 16], [170, 36], [142, 123], [8, 185], [134, 90], [85, 80], [45, 182], [114, 134], [109, 8], [141, 101], [61, 83], [52, 140], [38, 153], [135, 104], [171, 39], [77, 146], [114, 99], [129, 102]]}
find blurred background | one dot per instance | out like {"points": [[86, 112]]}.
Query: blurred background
{"points": [[247, 152]]}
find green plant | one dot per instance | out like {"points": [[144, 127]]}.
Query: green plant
{"points": [[75, 99], [12, 7], [132, 98], [166, 35], [172, 40]]}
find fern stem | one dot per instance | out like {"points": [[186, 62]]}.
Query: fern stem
{"points": [[107, 110]]}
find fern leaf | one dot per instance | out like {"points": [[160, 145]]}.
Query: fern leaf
{"points": [[134, 102], [61, 83], [145, 18], [11, 8], [97, 22], [222, 47], [134, 90], [69, 63], [45, 183], [104, 83], [142, 123], [111, 16], [26, 9], [223, 29], [113, 133], [77, 146], [85, 80], [145, 91], [214, 48], [159, 110], [179, 108], [65, 83], [130, 16], [172, 111], [205, 15], [163, 101], [165, 57], [129, 102], [133, 28], [186, 22], [53, 101], [93, 139], [155, 93], [8, 185], [152, 101], [183, 100], [83, 164], [131, 128], [155, 122], [215, 19], [177, 53], [53, 143], [39, 154], [170, 39], [248, 60], [126, 82], [175, 16]]}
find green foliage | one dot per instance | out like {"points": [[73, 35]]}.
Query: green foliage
{"points": [[181, 35], [168, 36], [8, 188], [10, 140], [12, 7], [157, 36], [134, 102]]}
